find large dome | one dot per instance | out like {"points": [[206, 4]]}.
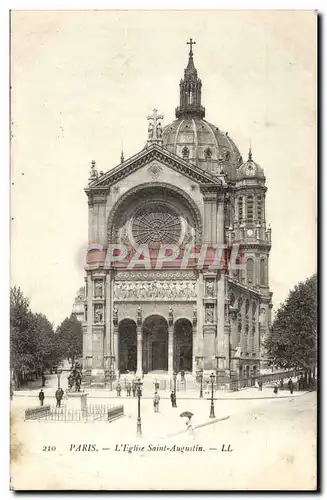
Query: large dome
{"points": [[195, 139], [203, 144]]}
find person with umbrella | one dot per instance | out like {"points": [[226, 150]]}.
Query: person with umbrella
{"points": [[189, 425]]}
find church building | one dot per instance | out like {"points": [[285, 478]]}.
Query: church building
{"points": [[188, 187]]}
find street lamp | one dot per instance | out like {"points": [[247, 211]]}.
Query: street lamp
{"points": [[59, 376], [212, 408], [201, 384], [174, 378], [139, 423]]}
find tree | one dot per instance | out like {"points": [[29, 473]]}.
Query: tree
{"points": [[22, 335], [293, 339], [32, 339], [70, 339]]}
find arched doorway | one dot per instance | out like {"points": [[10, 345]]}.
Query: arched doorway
{"points": [[127, 346], [183, 345], [155, 344]]}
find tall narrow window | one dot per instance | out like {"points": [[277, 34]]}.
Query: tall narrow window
{"points": [[249, 270], [239, 320], [249, 208], [259, 207], [240, 208], [254, 317], [263, 279]]}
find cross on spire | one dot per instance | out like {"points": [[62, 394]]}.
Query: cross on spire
{"points": [[190, 43]]}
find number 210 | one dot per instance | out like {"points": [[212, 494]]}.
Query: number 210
{"points": [[49, 448]]}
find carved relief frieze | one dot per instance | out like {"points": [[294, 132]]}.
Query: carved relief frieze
{"points": [[155, 275], [154, 290]]}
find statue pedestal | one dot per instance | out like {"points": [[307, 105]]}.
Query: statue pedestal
{"points": [[78, 400]]}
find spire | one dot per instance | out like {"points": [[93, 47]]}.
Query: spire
{"points": [[122, 159], [190, 90]]}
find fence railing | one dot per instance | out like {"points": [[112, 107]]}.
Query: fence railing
{"points": [[95, 412], [37, 412]]}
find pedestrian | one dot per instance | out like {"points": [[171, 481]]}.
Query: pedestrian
{"points": [[173, 400], [275, 388], [281, 384], [260, 385], [128, 388], [118, 389], [156, 401], [41, 397], [133, 388], [182, 376], [156, 385], [189, 425], [290, 385], [43, 380], [58, 396]]}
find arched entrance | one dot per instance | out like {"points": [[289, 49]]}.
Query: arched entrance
{"points": [[183, 345], [155, 344], [127, 346]]}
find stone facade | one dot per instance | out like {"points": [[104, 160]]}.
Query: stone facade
{"points": [[188, 188]]}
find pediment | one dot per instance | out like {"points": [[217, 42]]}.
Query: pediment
{"points": [[154, 158]]}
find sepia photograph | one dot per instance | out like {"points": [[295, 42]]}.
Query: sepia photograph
{"points": [[163, 242]]}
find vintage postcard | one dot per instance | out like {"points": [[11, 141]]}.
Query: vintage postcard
{"points": [[163, 303]]}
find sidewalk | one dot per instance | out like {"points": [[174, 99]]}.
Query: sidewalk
{"points": [[244, 394]]}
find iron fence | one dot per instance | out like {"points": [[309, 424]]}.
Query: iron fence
{"points": [[94, 412]]}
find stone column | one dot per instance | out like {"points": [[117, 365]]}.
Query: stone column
{"points": [[220, 354], [194, 340], [89, 331], [210, 213], [114, 346], [170, 346], [220, 220], [108, 335], [200, 321], [139, 342]]}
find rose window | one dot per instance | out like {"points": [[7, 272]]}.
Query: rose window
{"points": [[156, 226]]}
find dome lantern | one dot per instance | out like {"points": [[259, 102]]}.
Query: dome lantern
{"points": [[190, 90]]}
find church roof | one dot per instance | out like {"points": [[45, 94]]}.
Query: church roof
{"points": [[152, 152]]}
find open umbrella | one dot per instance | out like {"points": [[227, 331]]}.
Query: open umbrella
{"points": [[187, 414]]}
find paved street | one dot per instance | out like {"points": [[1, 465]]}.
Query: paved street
{"points": [[273, 443]]}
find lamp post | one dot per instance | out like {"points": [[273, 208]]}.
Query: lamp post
{"points": [[174, 378], [139, 423], [201, 384], [212, 408], [59, 376]]}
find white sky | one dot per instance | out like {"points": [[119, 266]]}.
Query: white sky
{"points": [[84, 81]]}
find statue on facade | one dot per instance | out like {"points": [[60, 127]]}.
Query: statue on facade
{"points": [[115, 316], [195, 316], [159, 131], [210, 288], [150, 131], [98, 314], [98, 288], [139, 315], [170, 316], [209, 314]]}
